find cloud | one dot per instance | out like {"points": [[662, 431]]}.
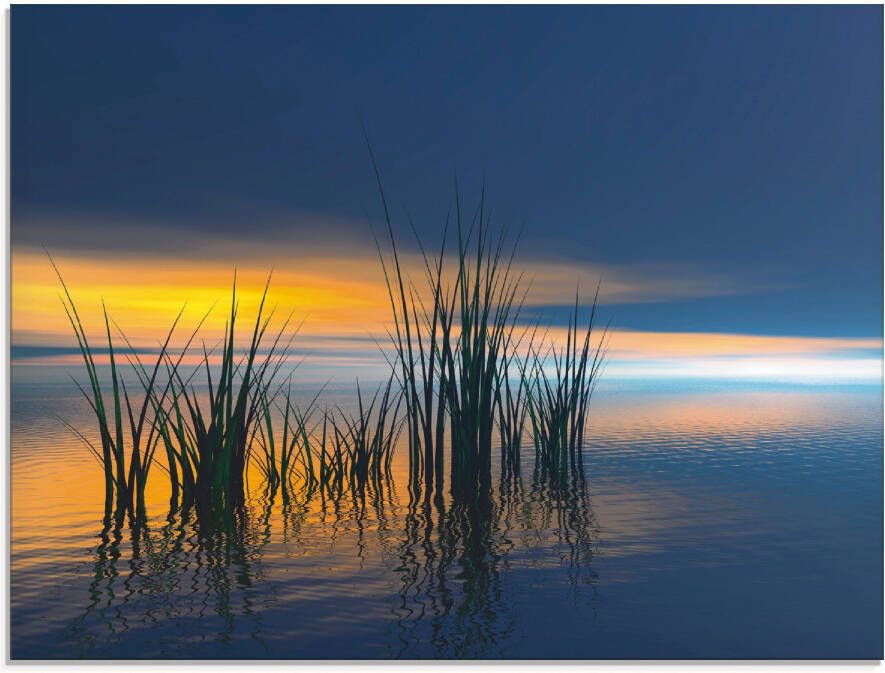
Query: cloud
{"points": [[555, 281], [327, 271], [306, 250], [230, 237], [341, 294]]}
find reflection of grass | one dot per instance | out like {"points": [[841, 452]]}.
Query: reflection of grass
{"points": [[187, 581]]}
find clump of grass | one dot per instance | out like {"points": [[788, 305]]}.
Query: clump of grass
{"points": [[277, 472], [457, 370], [511, 400], [344, 449], [451, 351], [369, 436], [457, 359], [248, 419], [486, 303], [421, 340], [211, 446], [303, 456], [558, 403], [124, 485], [207, 448]]}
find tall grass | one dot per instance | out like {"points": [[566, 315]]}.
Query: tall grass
{"points": [[511, 405], [206, 447], [369, 435], [457, 345], [466, 374], [421, 339], [124, 485], [558, 402], [486, 303], [344, 449], [451, 351], [210, 446], [278, 471]]}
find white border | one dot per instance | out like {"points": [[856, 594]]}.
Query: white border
{"points": [[368, 667]]}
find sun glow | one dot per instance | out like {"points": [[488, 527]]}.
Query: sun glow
{"points": [[341, 309]]}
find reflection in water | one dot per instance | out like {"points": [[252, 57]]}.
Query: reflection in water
{"points": [[450, 593], [181, 571], [564, 501], [453, 559], [450, 556], [711, 514]]}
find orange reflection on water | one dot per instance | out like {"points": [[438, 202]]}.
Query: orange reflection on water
{"points": [[721, 412]]}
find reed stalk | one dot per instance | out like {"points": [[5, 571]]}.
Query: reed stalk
{"points": [[558, 403], [211, 446], [138, 439]]}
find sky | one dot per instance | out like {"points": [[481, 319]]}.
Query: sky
{"points": [[718, 169]]}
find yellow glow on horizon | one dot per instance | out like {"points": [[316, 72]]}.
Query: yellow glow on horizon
{"points": [[342, 301], [143, 297]]}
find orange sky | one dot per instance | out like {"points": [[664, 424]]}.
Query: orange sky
{"points": [[343, 305]]}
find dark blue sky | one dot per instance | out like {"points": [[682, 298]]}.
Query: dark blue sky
{"points": [[742, 141]]}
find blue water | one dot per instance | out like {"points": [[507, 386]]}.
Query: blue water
{"points": [[712, 521]]}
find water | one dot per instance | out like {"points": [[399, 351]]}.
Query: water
{"points": [[714, 521]]}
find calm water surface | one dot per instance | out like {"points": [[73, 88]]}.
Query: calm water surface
{"points": [[712, 522]]}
